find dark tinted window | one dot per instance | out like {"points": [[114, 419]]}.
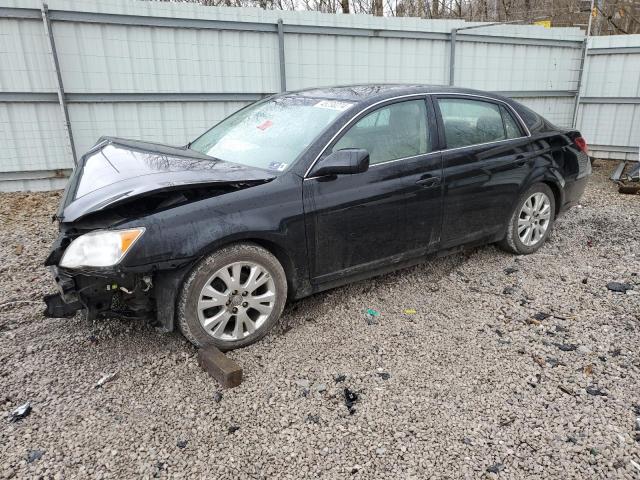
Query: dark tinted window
{"points": [[391, 132], [470, 122]]}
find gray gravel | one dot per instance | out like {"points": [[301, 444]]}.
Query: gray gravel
{"points": [[540, 381]]}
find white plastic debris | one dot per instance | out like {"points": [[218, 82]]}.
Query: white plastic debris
{"points": [[105, 379]]}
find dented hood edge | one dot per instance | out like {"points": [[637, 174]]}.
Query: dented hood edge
{"points": [[120, 191]]}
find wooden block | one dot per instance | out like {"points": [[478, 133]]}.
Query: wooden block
{"points": [[227, 372]]}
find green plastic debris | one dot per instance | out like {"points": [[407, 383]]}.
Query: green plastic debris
{"points": [[372, 316]]}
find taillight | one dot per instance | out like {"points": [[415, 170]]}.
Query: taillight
{"points": [[581, 143]]}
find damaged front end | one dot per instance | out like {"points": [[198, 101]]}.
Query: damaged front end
{"points": [[101, 294], [108, 206]]}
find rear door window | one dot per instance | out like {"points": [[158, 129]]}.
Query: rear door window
{"points": [[510, 125], [392, 132], [471, 122]]}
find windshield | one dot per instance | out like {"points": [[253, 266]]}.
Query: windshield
{"points": [[270, 134]]}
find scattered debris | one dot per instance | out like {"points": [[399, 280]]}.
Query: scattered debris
{"points": [[34, 455], [617, 172], [340, 378], [497, 468], [619, 287], [320, 387], [539, 360], [106, 379], [372, 316], [616, 352], [381, 451], [591, 390], [566, 390], [554, 362], [588, 369], [467, 441], [540, 316], [384, 375], [584, 281], [18, 249], [510, 270], [233, 429], [355, 469], [507, 422], [182, 443], [409, 311], [594, 451], [508, 290], [21, 412], [634, 174], [217, 397], [566, 347], [313, 418], [350, 398], [628, 189]]}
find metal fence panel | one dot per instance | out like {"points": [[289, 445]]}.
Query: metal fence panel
{"points": [[609, 112], [24, 57], [175, 123], [166, 71], [132, 59], [32, 138], [319, 60]]}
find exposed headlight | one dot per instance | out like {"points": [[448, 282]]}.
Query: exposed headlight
{"points": [[102, 248]]}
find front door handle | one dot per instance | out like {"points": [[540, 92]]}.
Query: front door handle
{"points": [[429, 182]]}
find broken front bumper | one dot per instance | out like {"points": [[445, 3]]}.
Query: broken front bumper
{"points": [[99, 292]]}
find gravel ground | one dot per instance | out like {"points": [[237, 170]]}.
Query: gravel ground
{"points": [[510, 367]]}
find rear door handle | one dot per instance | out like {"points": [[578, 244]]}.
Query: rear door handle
{"points": [[429, 182], [521, 160]]}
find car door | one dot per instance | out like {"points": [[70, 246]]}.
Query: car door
{"points": [[486, 160], [391, 212]]}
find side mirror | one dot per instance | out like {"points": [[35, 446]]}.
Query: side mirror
{"points": [[343, 162]]}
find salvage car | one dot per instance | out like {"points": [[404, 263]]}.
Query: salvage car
{"points": [[301, 192]]}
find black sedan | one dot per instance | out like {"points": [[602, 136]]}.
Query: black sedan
{"points": [[301, 192]]}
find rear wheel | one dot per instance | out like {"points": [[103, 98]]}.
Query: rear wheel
{"points": [[232, 298], [531, 221]]}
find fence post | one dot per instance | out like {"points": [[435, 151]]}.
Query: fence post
{"points": [[283, 73], [452, 56], [583, 61], [56, 65]]}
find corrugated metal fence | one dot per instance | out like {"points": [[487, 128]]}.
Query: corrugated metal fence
{"points": [[77, 70]]}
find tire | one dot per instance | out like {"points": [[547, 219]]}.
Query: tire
{"points": [[201, 316], [513, 242]]}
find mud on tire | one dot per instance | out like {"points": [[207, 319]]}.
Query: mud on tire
{"points": [[511, 242], [187, 309]]}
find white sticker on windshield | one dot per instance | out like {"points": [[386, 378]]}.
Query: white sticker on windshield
{"points": [[333, 105], [281, 167]]}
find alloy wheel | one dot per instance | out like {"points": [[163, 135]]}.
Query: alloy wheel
{"points": [[236, 301], [533, 221]]}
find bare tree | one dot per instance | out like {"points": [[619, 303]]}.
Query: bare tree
{"points": [[610, 16]]}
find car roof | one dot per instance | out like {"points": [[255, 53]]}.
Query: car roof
{"points": [[380, 91]]}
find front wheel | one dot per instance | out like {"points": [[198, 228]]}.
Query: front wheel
{"points": [[232, 298], [531, 221]]}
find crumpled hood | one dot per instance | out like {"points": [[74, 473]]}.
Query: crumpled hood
{"points": [[116, 170]]}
